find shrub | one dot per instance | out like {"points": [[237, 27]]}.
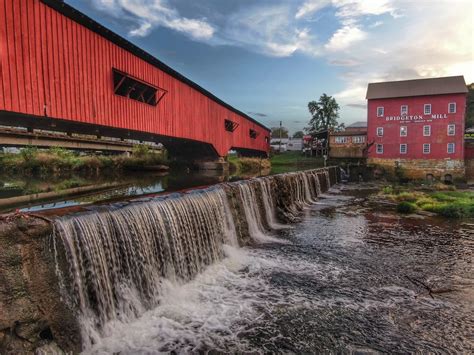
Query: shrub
{"points": [[406, 207], [387, 190]]}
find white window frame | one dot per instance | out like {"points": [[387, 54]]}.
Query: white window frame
{"points": [[406, 131], [429, 148], [341, 139], [383, 111], [454, 130], [425, 106], [379, 129], [454, 148], [406, 148], [377, 146], [429, 131], [402, 107], [358, 139], [449, 107]]}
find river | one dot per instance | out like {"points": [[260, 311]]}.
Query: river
{"points": [[349, 277]]}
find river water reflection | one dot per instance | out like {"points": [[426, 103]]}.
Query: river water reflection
{"points": [[351, 277]]}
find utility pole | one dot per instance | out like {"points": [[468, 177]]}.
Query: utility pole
{"points": [[279, 149]]}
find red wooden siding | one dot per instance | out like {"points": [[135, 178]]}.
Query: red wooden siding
{"points": [[52, 65]]}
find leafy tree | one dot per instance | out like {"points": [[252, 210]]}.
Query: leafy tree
{"points": [[324, 112], [276, 132], [470, 106], [298, 134]]}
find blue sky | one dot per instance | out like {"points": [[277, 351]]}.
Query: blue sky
{"points": [[270, 57]]}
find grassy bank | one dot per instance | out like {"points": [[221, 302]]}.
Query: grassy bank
{"points": [[288, 161], [241, 165], [441, 200], [57, 161]]}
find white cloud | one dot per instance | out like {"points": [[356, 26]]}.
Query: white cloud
{"points": [[154, 13], [310, 7], [345, 37]]}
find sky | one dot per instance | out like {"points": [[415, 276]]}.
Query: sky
{"points": [[269, 58]]}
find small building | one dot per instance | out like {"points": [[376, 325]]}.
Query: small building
{"points": [[286, 144], [350, 143], [418, 125]]}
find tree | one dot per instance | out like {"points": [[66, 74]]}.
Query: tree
{"points": [[276, 132], [298, 134], [324, 112], [470, 107]]}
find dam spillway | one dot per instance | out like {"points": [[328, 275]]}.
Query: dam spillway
{"points": [[117, 257]]}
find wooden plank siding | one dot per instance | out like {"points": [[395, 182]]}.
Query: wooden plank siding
{"points": [[51, 65]]}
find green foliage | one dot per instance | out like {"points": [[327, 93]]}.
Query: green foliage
{"points": [[298, 134], [406, 207], [470, 107], [324, 114], [276, 132], [141, 150], [59, 161], [450, 204]]}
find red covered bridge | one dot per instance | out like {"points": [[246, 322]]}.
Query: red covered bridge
{"points": [[61, 70]]}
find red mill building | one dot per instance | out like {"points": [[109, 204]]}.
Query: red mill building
{"points": [[419, 125]]}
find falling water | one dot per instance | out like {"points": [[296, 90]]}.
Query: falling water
{"points": [[119, 257]]}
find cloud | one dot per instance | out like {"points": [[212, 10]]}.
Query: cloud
{"points": [[362, 106], [258, 114], [349, 62], [345, 37], [310, 7], [148, 14]]}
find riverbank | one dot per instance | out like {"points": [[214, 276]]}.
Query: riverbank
{"points": [[294, 161], [242, 165], [443, 200], [32, 161]]}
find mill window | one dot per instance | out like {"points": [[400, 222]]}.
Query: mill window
{"points": [[451, 148], [427, 109], [380, 111], [426, 148], [452, 107]]}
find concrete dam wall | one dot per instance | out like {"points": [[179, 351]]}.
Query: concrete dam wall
{"points": [[64, 282]]}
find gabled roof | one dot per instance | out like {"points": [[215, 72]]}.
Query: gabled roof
{"points": [[358, 124], [84, 20], [417, 87]]}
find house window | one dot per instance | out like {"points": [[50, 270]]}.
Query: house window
{"points": [[403, 131], [358, 139], [451, 129], [427, 131], [451, 148], [404, 110], [125, 85], [403, 148], [452, 107], [426, 148], [380, 111], [379, 148], [253, 134], [380, 131], [427, 109], [230, 126], [341, 140]]}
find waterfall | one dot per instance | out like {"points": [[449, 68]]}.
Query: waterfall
{"points": [[118, 256]]}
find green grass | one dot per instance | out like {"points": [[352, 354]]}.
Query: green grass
{"points": [[57, 161], [295, 158], [248, 165], [450, 204]]}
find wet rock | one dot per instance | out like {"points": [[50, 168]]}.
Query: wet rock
{"points": [[32, 313]]}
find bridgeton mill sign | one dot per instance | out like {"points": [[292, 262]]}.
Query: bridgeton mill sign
{"points": [[417, 118]]}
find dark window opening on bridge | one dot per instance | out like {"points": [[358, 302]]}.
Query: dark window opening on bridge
{"points": [[125, 85], [230, 126], [253, 134]]}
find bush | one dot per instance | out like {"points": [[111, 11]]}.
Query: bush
{"points": [[452, 211], [406, 207]]}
